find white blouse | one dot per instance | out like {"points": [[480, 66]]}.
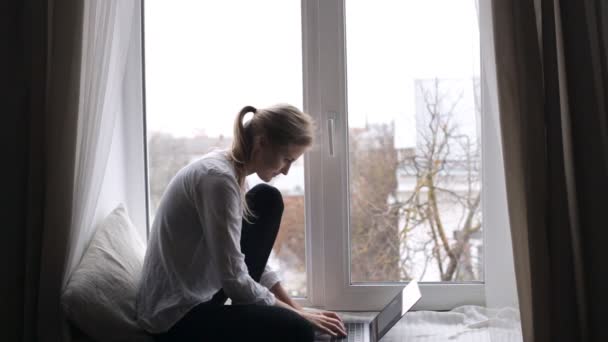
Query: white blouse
{"points": [[194, 247]]}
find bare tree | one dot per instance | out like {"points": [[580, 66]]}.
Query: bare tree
{"points": [[443, 157], [374, 221], [394, 232]]}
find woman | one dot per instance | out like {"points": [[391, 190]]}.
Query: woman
{"points": [[210, 241]]}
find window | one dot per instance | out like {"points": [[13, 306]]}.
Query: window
{"points": [[392, 189], [414, 157], [204, 62]]}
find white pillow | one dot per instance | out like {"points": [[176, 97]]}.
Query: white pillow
{"points": [[100, 295]]}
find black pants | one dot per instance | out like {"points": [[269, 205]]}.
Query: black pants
{"points": [[214, 321]]}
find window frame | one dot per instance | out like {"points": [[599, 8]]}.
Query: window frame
{"points": [[328, 251]]}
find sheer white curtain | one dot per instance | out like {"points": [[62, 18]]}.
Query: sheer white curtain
{"points": [[501, 289], [501, 286], [93, 91], [106, 36]]}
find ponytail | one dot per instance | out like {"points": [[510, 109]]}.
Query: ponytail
{"points": [[240, 154], [241, 144]]}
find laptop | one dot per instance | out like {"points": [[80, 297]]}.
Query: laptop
{"points": [[383, 322]]}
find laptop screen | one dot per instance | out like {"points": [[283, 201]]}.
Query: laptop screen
{"points": [[397, 307]]}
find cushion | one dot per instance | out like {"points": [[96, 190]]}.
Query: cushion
{"points": [[99, 298]]}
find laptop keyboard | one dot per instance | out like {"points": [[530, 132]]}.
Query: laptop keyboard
{"points": [[355, 333]]}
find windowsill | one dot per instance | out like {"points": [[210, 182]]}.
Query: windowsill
{"points": [[465, 323]]}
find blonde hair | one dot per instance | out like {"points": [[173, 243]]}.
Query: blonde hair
{"points": [[281, 125]]}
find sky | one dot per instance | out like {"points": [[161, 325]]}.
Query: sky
{"points": [[205, 60]]}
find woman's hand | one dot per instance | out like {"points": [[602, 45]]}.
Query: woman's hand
{"points": [[325, 321]]}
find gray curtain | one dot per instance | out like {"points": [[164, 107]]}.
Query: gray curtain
{"points": [[22, 66], [58, 151], [552, 76], [42, 62]]}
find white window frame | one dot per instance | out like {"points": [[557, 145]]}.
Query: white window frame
{"points": [[327, 185]]}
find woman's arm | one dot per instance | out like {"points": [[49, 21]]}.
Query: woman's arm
{"points": [[281, 294]]}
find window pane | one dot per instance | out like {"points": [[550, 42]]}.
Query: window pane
{"points": [[414, 140], [204, 62]]}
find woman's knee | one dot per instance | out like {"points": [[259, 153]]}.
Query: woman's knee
{"points": [[305, 331], [265, 196]]}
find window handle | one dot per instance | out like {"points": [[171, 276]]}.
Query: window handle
{"points": [[331, 126]]}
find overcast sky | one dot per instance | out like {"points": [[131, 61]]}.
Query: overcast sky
{"points": [[207, 59]]}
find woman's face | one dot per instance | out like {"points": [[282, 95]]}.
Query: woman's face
{"points": [[269, 161]]}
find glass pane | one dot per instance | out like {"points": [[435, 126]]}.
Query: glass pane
{"points": [[204, 62], [414, 140]]}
